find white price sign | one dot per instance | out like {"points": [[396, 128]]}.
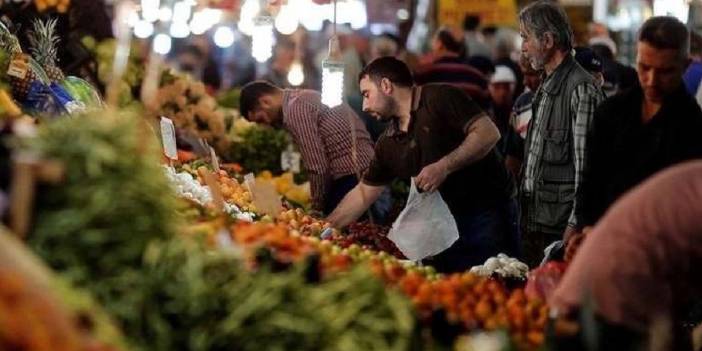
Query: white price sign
{"points": [[169, 138]]}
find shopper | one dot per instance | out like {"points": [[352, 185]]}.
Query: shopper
{"points": [[592, 63], [640, 132], [333, 142], [441, 137], [556, 140], [639, 267], [449, 66], [501, 88], [521, 116]]}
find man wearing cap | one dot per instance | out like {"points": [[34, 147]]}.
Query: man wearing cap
{"points": [[646, 129], [502, 86], [592, 63]]}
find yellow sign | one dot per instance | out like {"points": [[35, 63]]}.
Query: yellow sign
{"points": [[491, 12]]}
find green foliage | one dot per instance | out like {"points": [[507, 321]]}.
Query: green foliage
{"points": [[207, 301], [94, 226], [258, 148], [229, 99]]}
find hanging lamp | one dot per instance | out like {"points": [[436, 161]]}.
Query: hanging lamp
{"points": [[333, 72]]}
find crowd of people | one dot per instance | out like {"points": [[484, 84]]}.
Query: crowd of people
{"points": [[526, 153]]}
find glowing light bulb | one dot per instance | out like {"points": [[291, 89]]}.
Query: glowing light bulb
{"points": [[143, 29], [248, 11], [133, 19], [181, 11], [224, 37], [179, 30], [296, 75], [162, 44], [262, 39], [165, 14], [150, 10], [332, 82], [199, 24], [286, 22]]}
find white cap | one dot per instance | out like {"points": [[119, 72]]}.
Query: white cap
{"points": [[503, 74], [606, 41]]}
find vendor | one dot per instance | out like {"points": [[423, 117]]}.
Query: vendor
{"points": [[639, 266], [440, 136], [334, 144]]}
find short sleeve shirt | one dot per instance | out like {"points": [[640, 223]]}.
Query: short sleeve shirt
{"points": [[440, 118]]}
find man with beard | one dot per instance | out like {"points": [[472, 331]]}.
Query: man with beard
{"points": [[334, 143], [440, 136], [556, 139]]}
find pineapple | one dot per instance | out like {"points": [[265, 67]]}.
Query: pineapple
{"points": [[10, 44], [44, 41]]}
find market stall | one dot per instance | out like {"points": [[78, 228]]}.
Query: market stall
{"points": [[179, 225]]}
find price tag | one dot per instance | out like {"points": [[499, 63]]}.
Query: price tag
{"points": [[169, 139], [18, 68], [290, 160], [217, 198], [249, 181], [215, 160]]}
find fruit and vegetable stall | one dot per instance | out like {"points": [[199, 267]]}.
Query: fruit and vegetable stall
{"points": [[118, 244]]}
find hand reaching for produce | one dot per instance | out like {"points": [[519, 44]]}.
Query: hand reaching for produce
{"points": [[432, 176], [573, 243]]}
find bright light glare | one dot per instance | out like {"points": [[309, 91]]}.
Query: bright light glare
{"points": [[296, 76], [224, 37], [150, 10], [162, 44], [143, 29], [262, 39], [133, 19], [332, 83], [248, 11], [286, 22], [677, 8], [165, 14], [181, 11], [179, 30]]}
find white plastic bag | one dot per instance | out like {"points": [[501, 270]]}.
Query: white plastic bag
{"points": [[425, 227]]}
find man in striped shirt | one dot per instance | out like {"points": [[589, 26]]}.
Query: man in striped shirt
{"points": [[334, 144]]}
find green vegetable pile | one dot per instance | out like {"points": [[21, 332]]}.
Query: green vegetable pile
{"points": [[229, 99], [94, 226], [104, 52], [207, 301], [257, 147], [109, 226]]}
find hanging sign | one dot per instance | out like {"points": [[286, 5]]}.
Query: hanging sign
{"points": [[491, 12]]}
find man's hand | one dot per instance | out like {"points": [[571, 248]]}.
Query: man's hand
{"points": [[432, 176], [569, 233], [573, 242]]}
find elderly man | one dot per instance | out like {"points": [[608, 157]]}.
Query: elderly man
{"points": [[646, 129], [556, 140]]}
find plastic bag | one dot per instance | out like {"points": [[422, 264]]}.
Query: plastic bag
{"points": [[425, 227]]}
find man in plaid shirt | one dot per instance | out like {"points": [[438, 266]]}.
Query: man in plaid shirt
{"points": [[556, 140], [334, 143]]}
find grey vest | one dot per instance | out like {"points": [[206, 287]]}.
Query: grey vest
{"points": [[554, 186]]}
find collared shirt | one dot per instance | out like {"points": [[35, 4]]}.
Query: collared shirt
{"points": [[583, 102], [440, 118], [326, 138], [623, 150]]}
